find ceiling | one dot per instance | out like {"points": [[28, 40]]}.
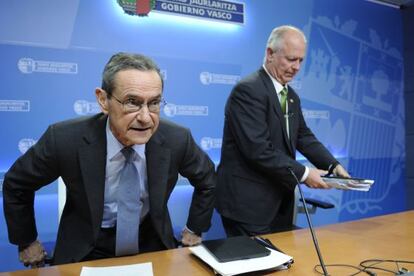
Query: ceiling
{"points": [[399, 4]]}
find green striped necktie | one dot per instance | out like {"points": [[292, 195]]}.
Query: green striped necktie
{"points": [[283, 98]]}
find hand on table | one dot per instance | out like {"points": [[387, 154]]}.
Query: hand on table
{"points": [[33, 255], [189, 239]]}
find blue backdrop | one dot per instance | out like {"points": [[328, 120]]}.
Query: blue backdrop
{"points": [[52, 56]]}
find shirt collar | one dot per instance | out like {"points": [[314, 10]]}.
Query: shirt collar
{"points": [[114, 146], [278, 86]]}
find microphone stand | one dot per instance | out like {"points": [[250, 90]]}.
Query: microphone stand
{"points": [[315, 241]]}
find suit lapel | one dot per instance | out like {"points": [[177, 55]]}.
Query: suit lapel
{"points": [[158, 163], [270, 88], [92, 159]]}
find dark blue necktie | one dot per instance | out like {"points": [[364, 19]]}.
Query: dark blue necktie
{"points": [[129, 207]]}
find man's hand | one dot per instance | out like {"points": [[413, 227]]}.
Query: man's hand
{"points": [[189, 239], [340, 171], [33, 255], [314, 179]]}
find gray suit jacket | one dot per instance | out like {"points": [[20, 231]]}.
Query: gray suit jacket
{"points": [[254, 183], [76, 151]]}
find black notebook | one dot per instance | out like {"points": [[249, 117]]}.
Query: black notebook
{"points": [[235, 248]]}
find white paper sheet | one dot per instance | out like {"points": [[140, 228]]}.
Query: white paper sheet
{"points": [[144, 269]]}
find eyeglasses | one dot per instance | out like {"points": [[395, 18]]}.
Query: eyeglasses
{"points": [[132, 105]]}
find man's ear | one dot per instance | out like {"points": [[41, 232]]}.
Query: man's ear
{"points": [[102, 99], [269, 53]]}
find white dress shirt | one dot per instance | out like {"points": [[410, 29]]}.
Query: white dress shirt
{"points": [[279, 87]]}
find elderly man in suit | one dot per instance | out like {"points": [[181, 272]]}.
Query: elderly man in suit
{"points": [[119, 167], [263, 128]]}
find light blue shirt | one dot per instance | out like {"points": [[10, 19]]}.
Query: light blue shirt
{"points": [[115, 161]]}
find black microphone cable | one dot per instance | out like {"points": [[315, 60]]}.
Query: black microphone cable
{"points": [[315, 241]]}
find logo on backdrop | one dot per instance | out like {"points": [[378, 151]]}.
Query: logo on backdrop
{"points": [[82, 107], [25, 144], [207, 78], [218, 10], [15, 105], [172, 110], [315, 114], [208, 143], [28, 66], [137, 7], [164, 74]]}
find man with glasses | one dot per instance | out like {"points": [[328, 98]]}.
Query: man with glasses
{"points": [[263, 128], [119, 167]]}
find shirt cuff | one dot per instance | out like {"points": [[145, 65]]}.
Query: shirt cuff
{"points": [[332, 167], [192, 232], [305, 175], [22, 247]]}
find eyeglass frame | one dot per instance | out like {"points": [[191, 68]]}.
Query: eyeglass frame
{"points": [[160, 102]]}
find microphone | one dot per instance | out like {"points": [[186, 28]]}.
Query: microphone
{"points": [[315, 241]]}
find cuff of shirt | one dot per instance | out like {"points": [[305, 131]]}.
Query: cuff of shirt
{"points": [[192, 232], [22, 247], [332, 167], [305, 174]]}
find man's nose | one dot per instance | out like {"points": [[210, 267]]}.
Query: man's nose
{"points": [[143, 114], [296, 65]]}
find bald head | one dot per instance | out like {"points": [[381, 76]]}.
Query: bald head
{"points": [[279, 34], [285, 51]]}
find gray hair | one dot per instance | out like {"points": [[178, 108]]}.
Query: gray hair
{"points": [[125, 61], [277, 36]]}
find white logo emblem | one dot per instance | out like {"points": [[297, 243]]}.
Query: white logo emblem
{"points": [[170, 110], [82, 107], [28, 66], [25, 144], [208, 78], [205, 78], [208, 143], [25, 65]]}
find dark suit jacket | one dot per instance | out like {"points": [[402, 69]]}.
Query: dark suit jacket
{"points": [[76, 151], [254, 183]]}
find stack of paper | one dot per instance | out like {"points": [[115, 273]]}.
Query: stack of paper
{"points": [[275, 260], [355, 184]]}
